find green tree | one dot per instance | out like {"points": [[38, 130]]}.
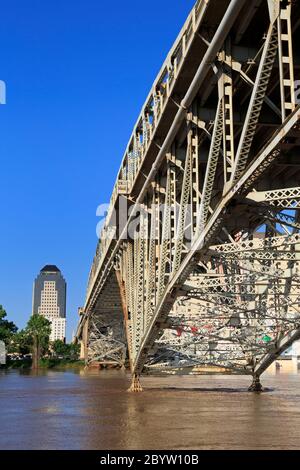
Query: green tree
{"points": [[38, 330], [20, 343], [7, 328], [60, 348], [74, 350]]}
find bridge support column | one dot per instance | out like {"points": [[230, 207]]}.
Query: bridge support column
{"points": [[135, 384], [84, 342], [82, 350], [256, 386]]}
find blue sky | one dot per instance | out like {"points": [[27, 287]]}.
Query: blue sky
{"points": [[77, 73]]}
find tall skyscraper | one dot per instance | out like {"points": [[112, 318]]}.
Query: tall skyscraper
{"points": [[49, 300]]}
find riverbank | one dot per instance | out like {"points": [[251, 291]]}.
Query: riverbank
{"points": [[45, 363]]}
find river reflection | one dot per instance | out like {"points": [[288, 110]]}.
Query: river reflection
{"points": [[77, 410]]}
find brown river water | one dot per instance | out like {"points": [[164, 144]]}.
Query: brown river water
{"points": [[93, 410]]}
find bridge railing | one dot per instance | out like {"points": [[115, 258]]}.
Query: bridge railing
{"points": [[150, 116], [106, 236], [157, 99]]}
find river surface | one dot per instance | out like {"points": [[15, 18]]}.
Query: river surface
{"points": [[93, 410]]}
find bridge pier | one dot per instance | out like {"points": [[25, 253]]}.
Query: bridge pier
{"points": [[256, 386], [84, 343], [135, 384]]}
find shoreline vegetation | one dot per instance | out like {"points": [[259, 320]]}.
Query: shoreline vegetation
{"points": [[44, 363], [31, 348]]}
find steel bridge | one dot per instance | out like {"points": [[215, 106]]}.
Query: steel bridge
{"points": [[198, 263]]}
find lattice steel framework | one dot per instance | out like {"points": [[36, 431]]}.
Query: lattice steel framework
{"points": [[209, 275]]}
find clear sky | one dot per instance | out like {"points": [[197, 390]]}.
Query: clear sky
{"points": [[77, 73]]}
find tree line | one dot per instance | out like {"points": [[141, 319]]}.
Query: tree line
{"points": [[34, 339]]}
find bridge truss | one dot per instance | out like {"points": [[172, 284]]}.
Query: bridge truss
{"points": [[200, 249]]}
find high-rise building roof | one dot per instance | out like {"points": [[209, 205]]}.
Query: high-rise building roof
{"points": [[50, 268]]}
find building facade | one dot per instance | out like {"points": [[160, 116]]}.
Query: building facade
{"points": [[49, 300], [2, 353]]}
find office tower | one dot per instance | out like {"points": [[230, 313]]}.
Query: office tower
{"points": [[49, 300]]}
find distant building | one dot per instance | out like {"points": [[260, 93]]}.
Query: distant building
{"points": [[49, 300], [2, 353], [295, 350]]}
